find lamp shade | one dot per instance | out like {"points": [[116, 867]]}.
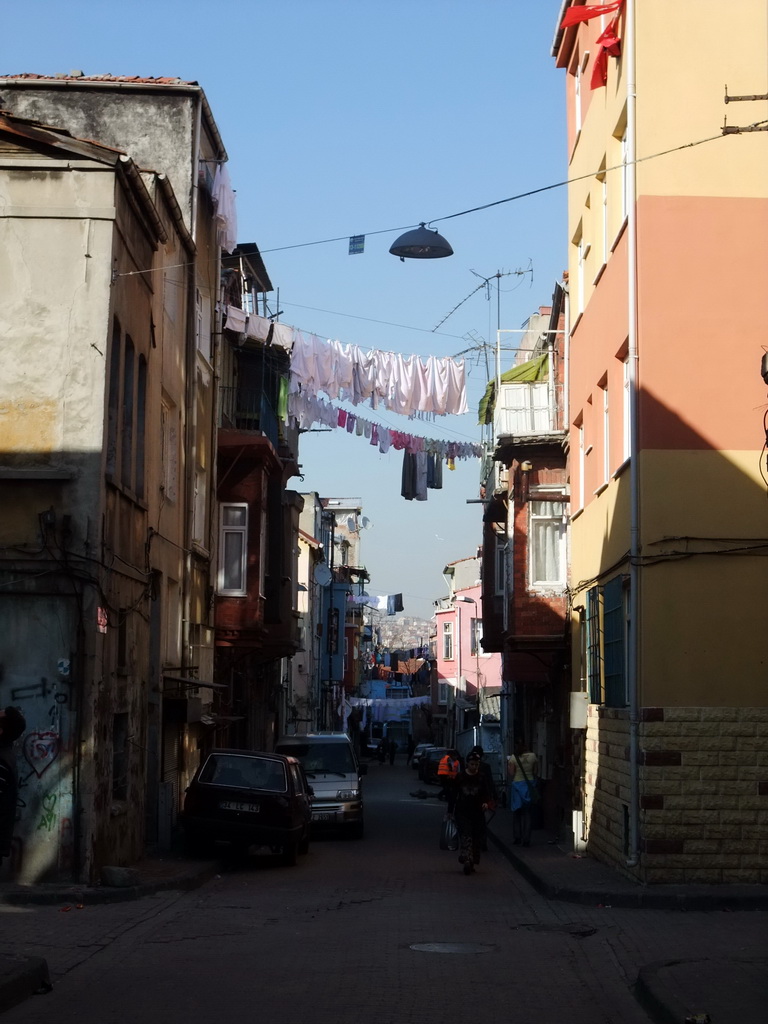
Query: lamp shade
{"points": [[421, 244]]}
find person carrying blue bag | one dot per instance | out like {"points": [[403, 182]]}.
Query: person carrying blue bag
{"points": [[523, 775]]}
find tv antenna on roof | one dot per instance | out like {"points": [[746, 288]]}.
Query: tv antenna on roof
{"points": [[486, 283]]}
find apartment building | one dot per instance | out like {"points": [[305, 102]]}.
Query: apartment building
{"points": [[668, 231]]}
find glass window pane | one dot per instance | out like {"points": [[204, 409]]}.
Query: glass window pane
{"points": [[234, 515], [233, 562]]}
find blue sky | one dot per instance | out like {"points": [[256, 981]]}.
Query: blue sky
{"points": [[345, 118]]}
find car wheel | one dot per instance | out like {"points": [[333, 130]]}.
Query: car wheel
{"points": [[290, 853], [356, 831], [304, 845]]}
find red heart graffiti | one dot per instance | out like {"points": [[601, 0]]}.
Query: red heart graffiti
{"points": [[40, 750]]}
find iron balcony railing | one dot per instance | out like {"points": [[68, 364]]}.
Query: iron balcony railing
{"points": [[248, 409]]}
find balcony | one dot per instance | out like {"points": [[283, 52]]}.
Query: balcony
{"points": [[526, 410], [248, 409]]}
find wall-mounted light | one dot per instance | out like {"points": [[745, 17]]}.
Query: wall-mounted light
{"points": [[525, 469]]}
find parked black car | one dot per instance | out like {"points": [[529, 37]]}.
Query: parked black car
{"points": [[248, 799], [418, 753], [428, 765]]}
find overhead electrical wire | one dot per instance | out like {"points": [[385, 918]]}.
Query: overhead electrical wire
{"points": [[462, 213], [500, 202]]}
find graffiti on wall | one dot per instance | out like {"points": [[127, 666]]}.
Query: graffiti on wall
{"points": [[40, 750], [44, 832]]}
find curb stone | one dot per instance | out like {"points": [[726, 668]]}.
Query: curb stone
{"points": [[22, 978], [641, 898], [728, 991], [105, 894]]}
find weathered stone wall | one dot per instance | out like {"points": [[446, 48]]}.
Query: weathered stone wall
{"points": [[703, 786]]}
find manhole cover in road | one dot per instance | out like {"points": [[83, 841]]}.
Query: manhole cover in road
{"points": [[452, 947]]}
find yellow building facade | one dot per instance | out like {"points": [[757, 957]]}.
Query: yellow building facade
{"points": [[668, 225]]}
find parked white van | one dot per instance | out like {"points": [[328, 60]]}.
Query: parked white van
{"points": [[334, 773]]}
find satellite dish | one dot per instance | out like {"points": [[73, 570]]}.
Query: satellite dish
{"points": [[322, 574], [366, 523], [351, 524]]}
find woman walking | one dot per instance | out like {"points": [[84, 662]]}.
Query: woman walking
{"points": [[473, 797], [523, 772]]}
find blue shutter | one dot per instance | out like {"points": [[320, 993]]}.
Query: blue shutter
{"points": [[614, 643], [593, 646]]}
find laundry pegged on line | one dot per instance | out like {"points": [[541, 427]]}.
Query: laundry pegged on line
{"points": [[309, 410], [422, 471], [389, 603], [404, 384]]}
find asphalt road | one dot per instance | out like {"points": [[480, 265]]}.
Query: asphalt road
{"points": [[384, 930]]}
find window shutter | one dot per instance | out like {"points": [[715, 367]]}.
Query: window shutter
{"points": [[614, 631]]}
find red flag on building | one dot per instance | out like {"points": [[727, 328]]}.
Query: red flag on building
{"points": [[608, 45]]}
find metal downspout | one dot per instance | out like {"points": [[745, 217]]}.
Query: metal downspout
{"points": [[191, 400], [634, 468]]}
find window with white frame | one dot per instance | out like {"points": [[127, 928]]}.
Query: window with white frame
{"points": [[442, 691], [475, 636], [199, 517], [447, 640], [581, 256], [624, 175], [203, 326], [582, 463], [578, 88], [547, 543], [602, 177], [627, 424], [233, 549], [500, 566]]}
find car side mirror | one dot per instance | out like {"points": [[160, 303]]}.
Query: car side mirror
{"points": [[362, 769]]}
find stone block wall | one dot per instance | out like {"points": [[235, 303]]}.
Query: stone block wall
{"points": [[703, 787]]}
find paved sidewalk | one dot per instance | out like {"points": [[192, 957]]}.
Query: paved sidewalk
{"points": [[725, 990], [21, 977], [559, 874]]}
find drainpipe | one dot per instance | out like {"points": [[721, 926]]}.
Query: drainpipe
{"points": [[191, 406], [634, 468], [458, 645], [551, 383], [566, 424]]}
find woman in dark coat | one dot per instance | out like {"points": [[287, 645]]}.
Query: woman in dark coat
{"points": [[473, 798]]}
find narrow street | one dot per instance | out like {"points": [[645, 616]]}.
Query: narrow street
{"points": [[336, 939]]}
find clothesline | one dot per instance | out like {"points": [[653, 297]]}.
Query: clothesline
{"points": [[393, 702], [401, 383], [404, 384], [389, 603], [308, 410]]}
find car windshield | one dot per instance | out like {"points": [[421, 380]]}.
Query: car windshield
{"points": [[325, 757], [239, 772]]}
